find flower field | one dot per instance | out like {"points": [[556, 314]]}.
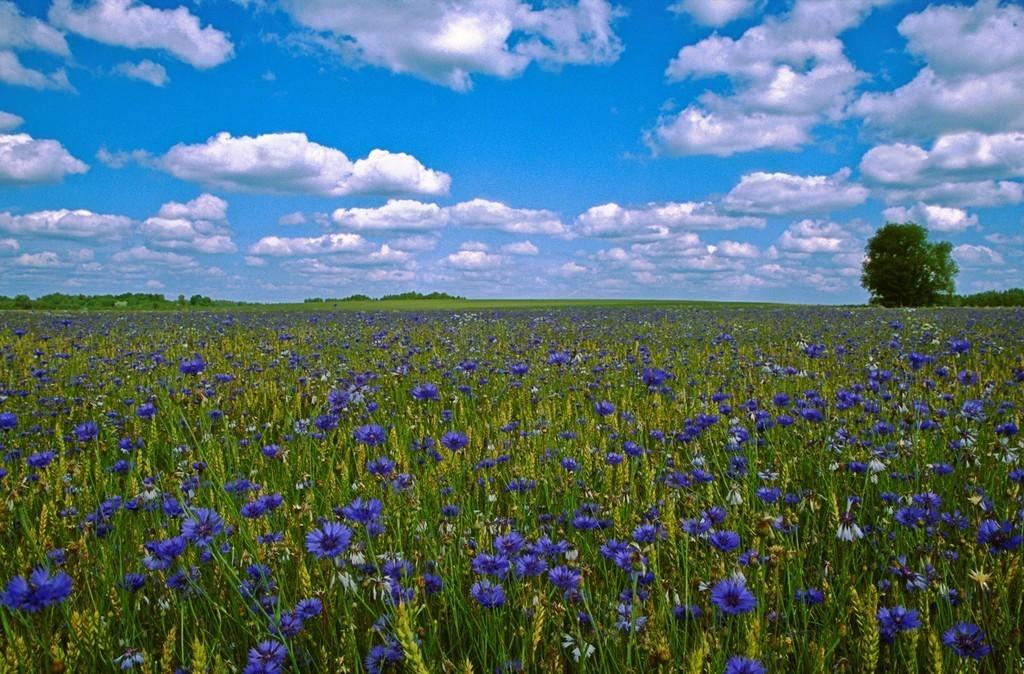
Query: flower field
{"points": [[595, 490]]}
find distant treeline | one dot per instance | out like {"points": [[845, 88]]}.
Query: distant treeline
{"points": [[385, 298], [1012, 297], [58, 301]]}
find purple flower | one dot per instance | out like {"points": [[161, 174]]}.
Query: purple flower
{"points": [[564, 578], [192, 365], [967, 641], [892, 621], [724, 541], [741, 665], [488, 594], [425, 392], [86, 431], [329, 540], [732, 597], [454, 441], [998, 537], [604, 408], [37, 592], [370, 434], [201, 529], [8, 421]]}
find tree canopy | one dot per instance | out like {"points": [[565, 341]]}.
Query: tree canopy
{"points": [[902, 268]]}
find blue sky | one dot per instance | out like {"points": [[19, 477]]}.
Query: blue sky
{"points": [[282, 149]]}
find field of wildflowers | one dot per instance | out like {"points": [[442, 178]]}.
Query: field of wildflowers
{"points": [[596, 490]]}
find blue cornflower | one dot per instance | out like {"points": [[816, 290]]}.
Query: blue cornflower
{"points": [[40, 459], [454, 441], [363, 512], [267, 657], [425, 392], [604, 408], [966, 640], [488, 594], [811, 596], [8, 421], [330, 539], [892, 621], [732, 597], [192, 365], [86, 431], [145, 411], [998, 537], [740, 665], [201, 529], [370, 434], [36, 592], [724, 541], [564, 578]]}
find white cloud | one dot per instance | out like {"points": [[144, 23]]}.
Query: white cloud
{"points": [[787, 75], [153, 284], [289, 163], [783, 193], [474, 260], [656, 220], [45, 260], [974, 77], [66, 224], [144, 257], [960, 169], [126, 23], [277, 246], [737, 249], [199, 225], [253, 261], [395, 215], [713, 12], [9, 121], [294, 218], [813, 236], [9, 246], [938, 218], [725, 132], [415, 243], [448, 42], [21, 32], [970, 255], [145, 71], [13, 72], [572, 269], [24, 160], [496, 215], [520, 248]]}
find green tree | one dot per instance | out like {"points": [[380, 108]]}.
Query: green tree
{"points": [[902, 268]]}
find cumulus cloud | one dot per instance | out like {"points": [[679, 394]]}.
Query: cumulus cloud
{"points": [[715, 13], [395, 215], [973, 77], [278, 246], [294, 218], [9, 121], [26, 160], [199, 225], [289, 163], [653, 220], [9, 246], [520, 248], [144, 71], [815, 236], [449, 42], [474, 260], [13, 72], [783, 194], [66, 224], [21, 32], [965, 168], [126, 23], [141, 257], [938, 218], [969, 255], [496, 215], [44, 260], [787, 75]]}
